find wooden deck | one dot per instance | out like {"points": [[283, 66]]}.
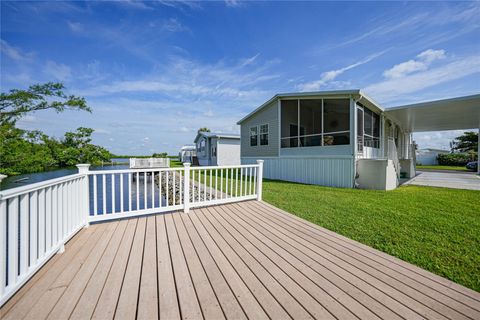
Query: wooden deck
{"points": [[237, 261]]}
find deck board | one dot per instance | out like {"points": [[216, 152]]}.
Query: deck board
{"points": [[427, 296], [236, 261]]}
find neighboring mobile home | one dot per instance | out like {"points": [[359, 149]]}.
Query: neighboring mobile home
{"points": [[217, 149], [187, 152], [428, 156], [344, 138]]}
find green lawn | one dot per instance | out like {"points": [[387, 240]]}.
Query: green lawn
{"points": [[437, 229], [175, 163], [454, 168]]}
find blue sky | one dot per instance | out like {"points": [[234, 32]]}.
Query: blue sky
{"points": [[154, 72]]}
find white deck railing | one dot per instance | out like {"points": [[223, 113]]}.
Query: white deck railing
{"points": [[393, 155], [147, 163], [36, 220]]}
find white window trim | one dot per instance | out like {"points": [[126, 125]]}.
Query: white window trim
{"points": [[260, 133], [250, 135]]}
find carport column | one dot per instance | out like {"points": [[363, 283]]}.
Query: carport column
{"points": [[478, 152]]}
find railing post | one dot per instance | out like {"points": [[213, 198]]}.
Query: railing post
{"points": [[186, 188], [259, 179], [84, 169]]}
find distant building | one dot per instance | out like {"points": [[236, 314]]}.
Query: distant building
{"points": [[187, 152], [217, 149], [428, 156]]}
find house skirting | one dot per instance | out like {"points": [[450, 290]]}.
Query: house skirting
{"points": [[332, 171]]}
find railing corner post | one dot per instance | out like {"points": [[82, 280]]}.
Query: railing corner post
{"points": [[83, 168], [259, 180], [186, 188]]}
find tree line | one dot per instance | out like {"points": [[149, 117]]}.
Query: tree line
{"points": [[24, 151]]}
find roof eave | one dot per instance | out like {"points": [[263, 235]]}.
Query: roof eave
{"points": [[354, 92]]}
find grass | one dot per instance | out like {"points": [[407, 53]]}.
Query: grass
{"points": [[175, 163], [454, 168], [437, 229]]}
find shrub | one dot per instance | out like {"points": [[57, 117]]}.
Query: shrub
{"points": [[456, 159]]}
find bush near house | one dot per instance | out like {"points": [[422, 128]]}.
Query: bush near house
{"points": [[456, 159]]}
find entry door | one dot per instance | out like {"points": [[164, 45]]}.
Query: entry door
{"points": [[360, 129]]}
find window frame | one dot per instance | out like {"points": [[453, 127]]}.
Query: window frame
{"points": [[260, 133], [371, 137], [322, 134], [250, 135]]}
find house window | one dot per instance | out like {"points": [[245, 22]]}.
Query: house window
{"points": [[336, 122], [289, 125], [264, 134], [310, 122], [253, 136], [202, 147], [315, 122], [371, 131]]}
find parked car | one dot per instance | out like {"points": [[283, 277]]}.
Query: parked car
{"points": [[473, 166]]}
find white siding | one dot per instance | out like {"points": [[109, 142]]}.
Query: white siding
{"points": [[228, 152], [326, 171]]}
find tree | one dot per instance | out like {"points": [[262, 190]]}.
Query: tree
{"points": [[77, 148], [204, 129], [160, 155], [16, 103], [468, 142]]}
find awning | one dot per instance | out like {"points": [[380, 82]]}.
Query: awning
{"points": [[449, 114]]}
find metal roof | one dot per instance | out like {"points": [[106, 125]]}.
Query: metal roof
{"points": [[447, 114], [355, 93], [216, 135]]}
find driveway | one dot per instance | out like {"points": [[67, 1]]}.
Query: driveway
{"points": [[456, 180]]}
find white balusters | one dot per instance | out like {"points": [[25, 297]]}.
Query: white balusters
{"points": [[114, 191], [12, 240], [121, 192], [3, 246], [145, 191], [33, 227], [23, 233]]}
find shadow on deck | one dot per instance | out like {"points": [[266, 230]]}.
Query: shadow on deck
{"points": [[237, 261]]}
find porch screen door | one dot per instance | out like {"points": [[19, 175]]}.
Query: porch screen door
{"points": [[360, 129]]}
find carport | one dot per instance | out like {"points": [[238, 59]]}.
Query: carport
{"points": [[459, 113]]}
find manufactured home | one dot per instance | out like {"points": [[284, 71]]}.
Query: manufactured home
{"points": [[187, 153], [217, 149], [345, 138]]}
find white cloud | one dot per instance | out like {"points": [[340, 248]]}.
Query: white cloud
{"points": [[209, 113], [183, 79], [173, 25], [75, 26], [394, 87], [233, 3], [328, 77], [14, 53], [58, 71], [431, 55], [422, 62]]}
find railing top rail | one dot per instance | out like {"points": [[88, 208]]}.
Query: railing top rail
{"points": [[225, 167], [38, 185], [93, 172]]}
